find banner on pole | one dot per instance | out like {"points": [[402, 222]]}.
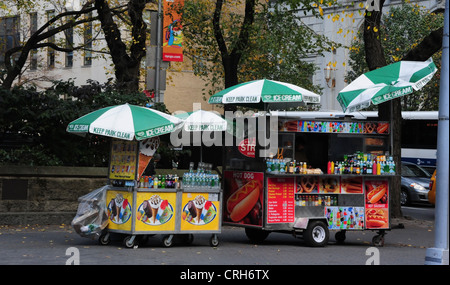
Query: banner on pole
{"points": [[172, 31]]}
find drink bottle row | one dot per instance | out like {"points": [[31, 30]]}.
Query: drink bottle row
{"points": [[316, 200], [285, 166], [159, 181], [362, 163]]}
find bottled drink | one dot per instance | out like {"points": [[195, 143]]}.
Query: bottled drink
{"points": [[156, 182]]}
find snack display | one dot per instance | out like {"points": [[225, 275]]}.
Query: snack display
{"points": [[352, 185]]}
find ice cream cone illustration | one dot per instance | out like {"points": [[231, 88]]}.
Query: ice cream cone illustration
{"points": [[147, 149], [199, 202], [118, 202], [155, 202]]}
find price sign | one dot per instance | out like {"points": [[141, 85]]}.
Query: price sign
{"points": [[280, 200]]}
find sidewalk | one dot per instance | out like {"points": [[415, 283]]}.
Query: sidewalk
{"points": [[405, 244]]}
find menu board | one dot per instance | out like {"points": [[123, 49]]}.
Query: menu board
{"points": [[280, 200], [123, 160]]}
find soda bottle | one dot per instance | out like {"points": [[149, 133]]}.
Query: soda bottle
{"points": [[163, 181], [156, 182]]}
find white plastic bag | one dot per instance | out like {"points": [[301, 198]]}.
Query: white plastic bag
{"points": [[92, 216]]}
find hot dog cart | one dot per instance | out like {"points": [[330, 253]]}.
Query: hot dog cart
{"points": [[139, 206], [339, 181]]}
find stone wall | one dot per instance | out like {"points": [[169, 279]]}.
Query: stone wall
{"points": [[48, 195], [45, 195]]}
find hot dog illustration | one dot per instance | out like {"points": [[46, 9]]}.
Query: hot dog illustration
{"points": [[376, 194], [241, 202], [376, 218]]}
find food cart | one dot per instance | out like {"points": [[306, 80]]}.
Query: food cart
{"points": [[339, 182], [139, 206]]}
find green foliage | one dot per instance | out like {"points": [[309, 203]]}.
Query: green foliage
{"points": [[402, 28], [278, 40], [33, 124]]}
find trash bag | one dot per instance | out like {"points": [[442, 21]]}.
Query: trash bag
{"points": [[92, 217]]}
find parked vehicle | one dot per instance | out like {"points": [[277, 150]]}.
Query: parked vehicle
{"points": [[415, 184]]}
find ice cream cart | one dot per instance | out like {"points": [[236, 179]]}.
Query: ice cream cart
{"points": [[139, 206], [339, 183]]}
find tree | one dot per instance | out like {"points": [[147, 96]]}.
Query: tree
{"points": [[126, 60], [391, 110], [126, 56], [237, 41], [39, 39], [403, 27]]}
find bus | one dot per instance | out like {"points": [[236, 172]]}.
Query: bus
{"points": [[419, 131]]}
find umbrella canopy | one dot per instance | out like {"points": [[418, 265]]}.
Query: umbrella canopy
{"points": [[266, 91], [386, 83], [125, 122], [202, 120]]}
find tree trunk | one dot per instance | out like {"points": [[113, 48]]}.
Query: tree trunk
{"points": [[127, 67], [375, 59]]}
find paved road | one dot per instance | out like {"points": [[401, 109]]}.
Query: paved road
{"points": [[421, 212], [59, 244]]}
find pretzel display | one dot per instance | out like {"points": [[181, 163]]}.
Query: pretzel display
{"points": [[370, 127], [330, 185], [308, 183]]}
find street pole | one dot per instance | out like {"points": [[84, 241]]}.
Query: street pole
{"points": [[439, 254], [158, 54]]}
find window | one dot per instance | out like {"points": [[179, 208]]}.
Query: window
{"points": [[9, 36], [88, 42], [33, 52], [69, 44], [50, 51]]}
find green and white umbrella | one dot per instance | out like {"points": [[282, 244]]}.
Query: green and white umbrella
{"points": [[202, 120], [386, 83], [264, 91], [125, 122]]}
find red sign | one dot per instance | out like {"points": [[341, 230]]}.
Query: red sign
{"points": [[173, 35], [247, 147], [243, 197], [280, 200], [376, 194]]}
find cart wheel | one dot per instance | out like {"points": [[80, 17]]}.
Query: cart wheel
{"points": [[316, 234], [130, 241], [256, 235], [340, 237], [104, 238], [214, 241], [167, 240], [378, 241]]}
